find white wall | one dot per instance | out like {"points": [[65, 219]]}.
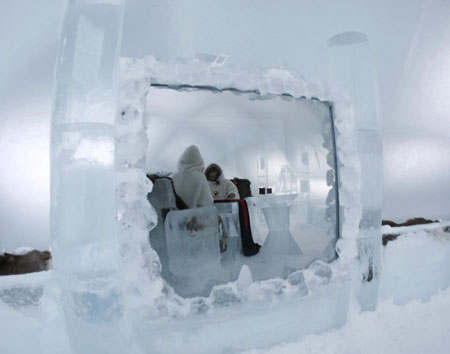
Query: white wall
{"points": [[409, 40]]}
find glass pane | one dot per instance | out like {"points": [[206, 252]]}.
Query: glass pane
{"points": [[282, 145]]}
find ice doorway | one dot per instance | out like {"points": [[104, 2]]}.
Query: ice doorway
{"points": [[279, 143]]}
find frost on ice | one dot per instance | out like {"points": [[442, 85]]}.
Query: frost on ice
{"points": [[127, 258], [193, 276], [264, 127]]}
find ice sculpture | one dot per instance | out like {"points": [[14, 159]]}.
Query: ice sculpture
{"points": [[277, 210], [193, 243], [83, 178], [87, 146], [351, 67]]}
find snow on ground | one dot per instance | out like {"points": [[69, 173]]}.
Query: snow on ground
{"points": [[416, 265], [414, 313], [418, 327], [412, 317]]}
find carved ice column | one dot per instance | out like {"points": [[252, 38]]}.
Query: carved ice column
{"points": [[83, 180], [351, 68]]}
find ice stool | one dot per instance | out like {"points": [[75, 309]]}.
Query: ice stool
{"points": [[185, 240]]}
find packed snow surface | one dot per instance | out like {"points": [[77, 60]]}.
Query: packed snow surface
{"points": [[32, 321], [416, 328]]}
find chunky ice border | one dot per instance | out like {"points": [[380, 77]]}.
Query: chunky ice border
{"points": [[147, 288]]}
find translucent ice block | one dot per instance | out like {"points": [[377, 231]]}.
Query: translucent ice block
{"points": [[162, 199], [192, 240], [352, 68], [280, 254], [83, 213], [276, 209]]}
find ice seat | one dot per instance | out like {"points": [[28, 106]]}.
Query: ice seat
{"points": [[185, 240], [192, 240]]}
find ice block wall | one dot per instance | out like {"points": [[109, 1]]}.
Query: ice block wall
{"points": [[83, 212], [352, 69]]}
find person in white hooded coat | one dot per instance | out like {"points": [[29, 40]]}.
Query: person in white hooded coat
{"points": [[189, 181], [221, 188]]}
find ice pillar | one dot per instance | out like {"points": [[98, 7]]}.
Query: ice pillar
{"points": [[351, 68], [83, 212]]}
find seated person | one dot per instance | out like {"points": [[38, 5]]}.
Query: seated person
{"points": [[189, 181], [220, 187]]}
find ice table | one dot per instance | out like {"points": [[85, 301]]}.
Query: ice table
{"points": [[276, 209]]}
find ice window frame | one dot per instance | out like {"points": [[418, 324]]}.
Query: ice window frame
{"points": [[256, 95]]}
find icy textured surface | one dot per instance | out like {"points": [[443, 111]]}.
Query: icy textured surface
{"points": [[275, 80], [85, 246], [192, 240], [352, 69], [228, 74], [32, 318], [416, 328], [150, 301], [136, 217], [270, 312]]}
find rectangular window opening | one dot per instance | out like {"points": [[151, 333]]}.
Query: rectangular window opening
{"points": [[279, 152]]}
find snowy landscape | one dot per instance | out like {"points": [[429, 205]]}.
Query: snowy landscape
{"points": [[224, 177]]}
